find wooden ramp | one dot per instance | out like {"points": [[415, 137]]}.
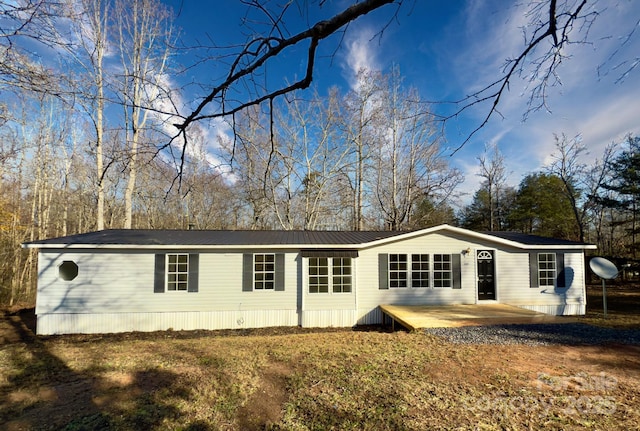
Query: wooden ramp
{"points": [[415, 317]]}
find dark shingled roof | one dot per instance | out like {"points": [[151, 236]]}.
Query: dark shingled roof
{"points": [[526, 239], [144, 237]]}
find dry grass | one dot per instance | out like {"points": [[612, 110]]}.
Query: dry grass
{"points": [[312, 380], [623, 306]]}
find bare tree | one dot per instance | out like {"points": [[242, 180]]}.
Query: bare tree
{"points": [[409, 158], [41, 175], [259, 52], [251, 156], [596, 176], [582, 183], [552, 26], [144, 35], [86, 55], [309, 130], [23, 24], [361, 110], [493, 170]]}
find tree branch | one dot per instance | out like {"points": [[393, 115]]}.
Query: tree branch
{"points": [[548, 63], [315, 34]]}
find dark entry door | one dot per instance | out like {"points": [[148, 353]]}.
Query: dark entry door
{"points": [[486, 274]]}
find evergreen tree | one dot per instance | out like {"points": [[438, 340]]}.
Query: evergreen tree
{"points": [[477, 215], [541, 208], [429, 213], [625, 188]]}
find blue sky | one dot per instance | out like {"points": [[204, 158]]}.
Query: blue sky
{"points": [[448, 49]]}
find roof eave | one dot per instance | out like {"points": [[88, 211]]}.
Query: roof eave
{"points": [[189, 247], [370, 244], [486, 237], [562, 247]]}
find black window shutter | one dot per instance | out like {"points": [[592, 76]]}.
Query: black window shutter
{"points": [[159, 275], [383, 270], [247, 272], [279, 285], [533, 269], [457, 271], [194, 263], [561, 279]]}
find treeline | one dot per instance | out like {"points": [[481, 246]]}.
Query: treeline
{"points": [[322, 163], [371, 158], [94, 152], [598, 203]]}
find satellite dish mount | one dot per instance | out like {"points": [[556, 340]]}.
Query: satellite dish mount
{"points": [[606, 270]]}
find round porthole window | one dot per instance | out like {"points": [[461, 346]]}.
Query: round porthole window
{"points": [[68, 270]]}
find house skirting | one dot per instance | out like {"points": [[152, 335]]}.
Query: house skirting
{"points": [[100, 323], [557, 310], [96, 323], [328, 318]]}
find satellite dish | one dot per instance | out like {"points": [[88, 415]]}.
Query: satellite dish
{"points": [[603, 268], [606, 270]]}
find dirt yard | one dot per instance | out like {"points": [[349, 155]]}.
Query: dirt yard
{"points": [[301, 379]]}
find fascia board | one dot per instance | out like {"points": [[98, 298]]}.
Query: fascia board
{"points": [[561, 247], [444, 228], [478, 235], [408, 235], [371, 244], [189, 247]]}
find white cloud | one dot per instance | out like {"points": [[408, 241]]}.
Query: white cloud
{"points": [[360, 54], [205, 137]]}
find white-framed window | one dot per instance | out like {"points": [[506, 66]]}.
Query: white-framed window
{"points": [[546, 269], [264, 271], [177, 265], [420, 270], [330, 274], [419, 275], [342, 273], [318, 275], [442, 270], [398, 274]]}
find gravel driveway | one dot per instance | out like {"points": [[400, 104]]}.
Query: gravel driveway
{"points": [[537, 334]]}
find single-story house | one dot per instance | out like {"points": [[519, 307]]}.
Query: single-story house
{"points": [[147, 280]]}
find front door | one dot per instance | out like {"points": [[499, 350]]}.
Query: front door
{"points": [[486, 275]]}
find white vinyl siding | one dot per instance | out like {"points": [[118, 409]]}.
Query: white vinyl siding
{"points": [[96, 323], [114, 290], [513, 284], [512, 277], [123, 282], [370, 293]]}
